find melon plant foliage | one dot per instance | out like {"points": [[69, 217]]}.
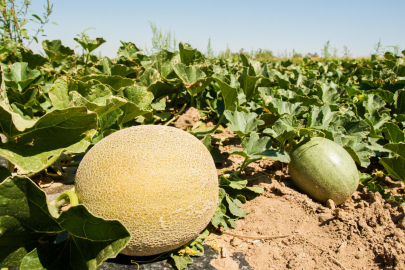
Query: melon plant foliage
{"points": [[61, 103]]}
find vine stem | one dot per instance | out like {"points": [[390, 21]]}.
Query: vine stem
{"points": [[67, 197], [220, 139], [239, 171], [177, 114], [211, 130]]}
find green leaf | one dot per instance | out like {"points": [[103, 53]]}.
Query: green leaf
{"points": [[248, 83], [190, 56], [128, 50], [229, 93], [55, 50], [395, 166], [25, 220], [60, 130], [22, 97], [399, 98], [149, 77], [164, 62], [242, 123], [393, 133], [232, 183], [397, 148], [356, 128], [58, 94], [321, 117], [95, 96], [188, 74], [91, 241], [181, 262], [235, 209], [31, 232], [255, 148], [214, 151], [360, 152], [89, 44], [139, 103], [19, 77], [284, 107], [4, 173], [285, 128], [116, 82], [327, 92]]}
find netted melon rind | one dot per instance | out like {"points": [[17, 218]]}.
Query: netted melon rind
{"points": [[160, 182]]}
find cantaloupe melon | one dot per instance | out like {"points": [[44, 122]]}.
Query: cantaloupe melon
{"points": [[323, 170], [160, 182]]}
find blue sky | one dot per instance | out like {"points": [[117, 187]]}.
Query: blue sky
{"points": [[279, 26]]}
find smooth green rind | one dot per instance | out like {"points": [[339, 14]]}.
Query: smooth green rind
{"points": [[323, 170]]}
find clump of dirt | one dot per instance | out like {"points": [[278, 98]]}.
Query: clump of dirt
{"points": [[366, 232], [188, 119]]}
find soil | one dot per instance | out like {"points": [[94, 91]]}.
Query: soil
{"points": [[365, 232]]}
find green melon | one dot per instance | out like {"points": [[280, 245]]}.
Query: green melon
{"points": [[323, 170]]}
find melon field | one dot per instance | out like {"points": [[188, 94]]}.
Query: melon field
{"points": [[249, 115]]}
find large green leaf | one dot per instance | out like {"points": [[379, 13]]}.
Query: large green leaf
{"points": [[30, 233], [188, 74], [19, 77], [327, 92], [360, 152], [285, 128], [248, 83], [281, 107], [22, 97], [139, 102], [321, 117], [128, 50], [229, 94], [55, 50], [395, 166], [94, 95], [242, 123], [149, 77], [214, 151], [190, 56], [399, 98], [393, 133], [116, 82], [70, 130], [255, 148], [397, 148], [89, 44], [164, 62], [25, 220], [59, 94]]}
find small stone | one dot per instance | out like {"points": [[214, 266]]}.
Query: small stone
{"points": [[224, 252], [324, 217], [331, 204]]}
